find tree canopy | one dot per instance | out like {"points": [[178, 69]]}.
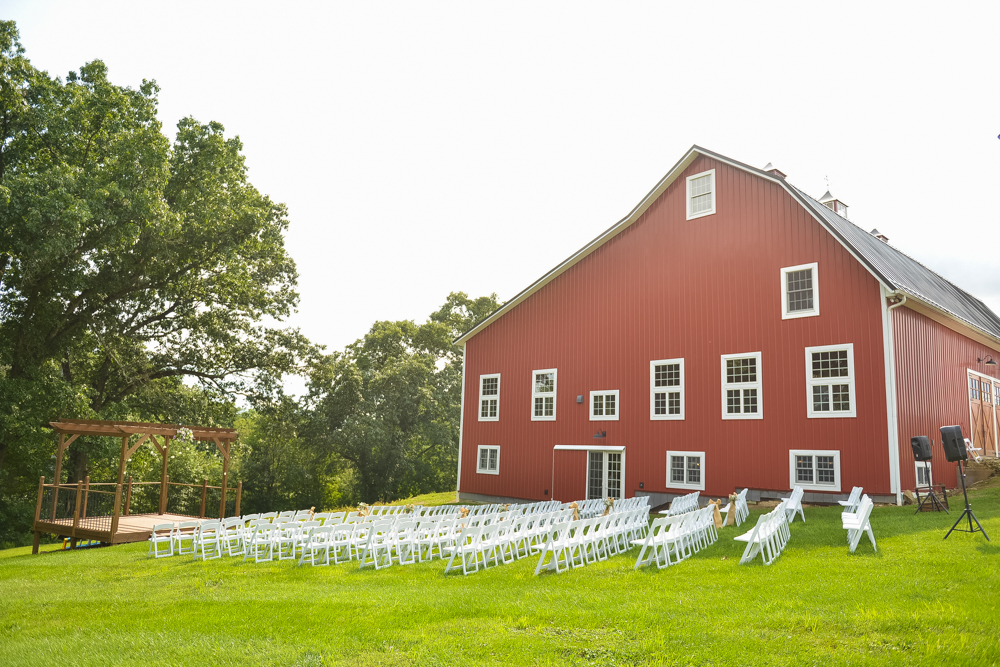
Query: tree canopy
{"points": [[127, 261]]}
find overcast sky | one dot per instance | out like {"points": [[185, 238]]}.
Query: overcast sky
{"points": [[424, 148]]}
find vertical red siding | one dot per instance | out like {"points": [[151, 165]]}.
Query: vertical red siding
{"points": [[932, 389], [668, 287]]}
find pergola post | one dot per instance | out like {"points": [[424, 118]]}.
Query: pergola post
{"points": [[225, 478], [115, 512], [86, 496], [163, 474], [58, 477], [239, 493], [128, 496], [121, 461]]}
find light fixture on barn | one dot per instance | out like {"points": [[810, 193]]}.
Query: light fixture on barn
{"points": [[601, 434], [989, 360]]}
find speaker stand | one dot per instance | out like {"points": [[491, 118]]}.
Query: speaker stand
{"points": [[967, 512], [931, 496]]}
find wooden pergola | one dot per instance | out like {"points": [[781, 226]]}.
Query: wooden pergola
{"points": [[113, 531]]}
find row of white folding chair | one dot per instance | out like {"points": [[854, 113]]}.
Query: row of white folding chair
{"points": [[853, 500], [768, 537], [576, 543], [858, 523], [671, 539], [506, 537], [682, 504]]}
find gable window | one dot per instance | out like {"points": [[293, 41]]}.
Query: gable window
{"points": [[666, 389], [489, 398], [814, 470], [604, 405], [830, 381], [489, 460], [543, 395], [685, 470], [800, 291], [701, 194], [925, 476], [741, 386]]}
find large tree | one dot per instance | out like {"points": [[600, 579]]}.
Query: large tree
{"points": [[389, 405], [127, 260]]}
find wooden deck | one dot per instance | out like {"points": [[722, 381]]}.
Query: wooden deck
{"points": [[133, 528]]}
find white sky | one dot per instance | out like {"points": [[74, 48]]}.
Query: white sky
{"points": [[424, 148]]}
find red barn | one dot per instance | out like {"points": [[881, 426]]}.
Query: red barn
{"points": [[731, 331]]}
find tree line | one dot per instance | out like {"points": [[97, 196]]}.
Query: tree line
{"points": [[135, 274]]}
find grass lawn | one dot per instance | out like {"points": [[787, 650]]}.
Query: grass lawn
{"points": [[920, 600]]}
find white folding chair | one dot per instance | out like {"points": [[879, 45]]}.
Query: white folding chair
{"points": [[859, 523], [163, 533]]}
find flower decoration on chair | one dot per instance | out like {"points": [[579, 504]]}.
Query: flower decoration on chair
{"points": [[609, 504], [364, 509], [184, 435], [576, 511], [408, 509]]}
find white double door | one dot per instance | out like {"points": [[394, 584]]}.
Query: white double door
{"points": [[604, 475]]}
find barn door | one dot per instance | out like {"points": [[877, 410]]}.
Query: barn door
{"points": [[981, 414]]}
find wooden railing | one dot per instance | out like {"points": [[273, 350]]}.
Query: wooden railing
{"points": [[99, 509]]}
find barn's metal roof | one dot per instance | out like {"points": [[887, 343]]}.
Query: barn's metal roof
{"points": [[894, 269], [904, 273]]}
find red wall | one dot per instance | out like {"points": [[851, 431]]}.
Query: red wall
{"points": [[932, 388], [669, 287]]}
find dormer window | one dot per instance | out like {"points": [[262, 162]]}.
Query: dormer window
{"points": [[701, 194], [834, 204]]}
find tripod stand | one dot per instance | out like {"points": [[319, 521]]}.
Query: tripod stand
{"points": [[931, 496], [967, 511]]}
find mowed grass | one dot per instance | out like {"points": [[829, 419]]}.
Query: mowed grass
{"points": [[920, 600]]}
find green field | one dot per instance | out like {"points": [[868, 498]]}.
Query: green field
{"points": [[920, 600]]}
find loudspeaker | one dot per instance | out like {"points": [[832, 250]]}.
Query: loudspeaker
{"points": [[921, 448], [954, 444]]}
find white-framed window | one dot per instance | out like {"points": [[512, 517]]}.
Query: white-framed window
{"points": [[830, 381], [925, 474], [741, 386], [543, 395], [666, 389], [489, 398], [800, 291], [814, 469], [604, 405], [488, 461], [686, 470], [701, 194]]}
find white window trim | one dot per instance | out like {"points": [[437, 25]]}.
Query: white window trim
{"points": [[694, 487], [918, 467], [814, 311], [835, 453], [687, 201], [758, 385], [479, 457], [653, 389], [811, 382], [555, 392], [605, 418], [479, 405]]}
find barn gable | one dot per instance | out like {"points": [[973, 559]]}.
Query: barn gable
{"points": [[894, 270]]}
